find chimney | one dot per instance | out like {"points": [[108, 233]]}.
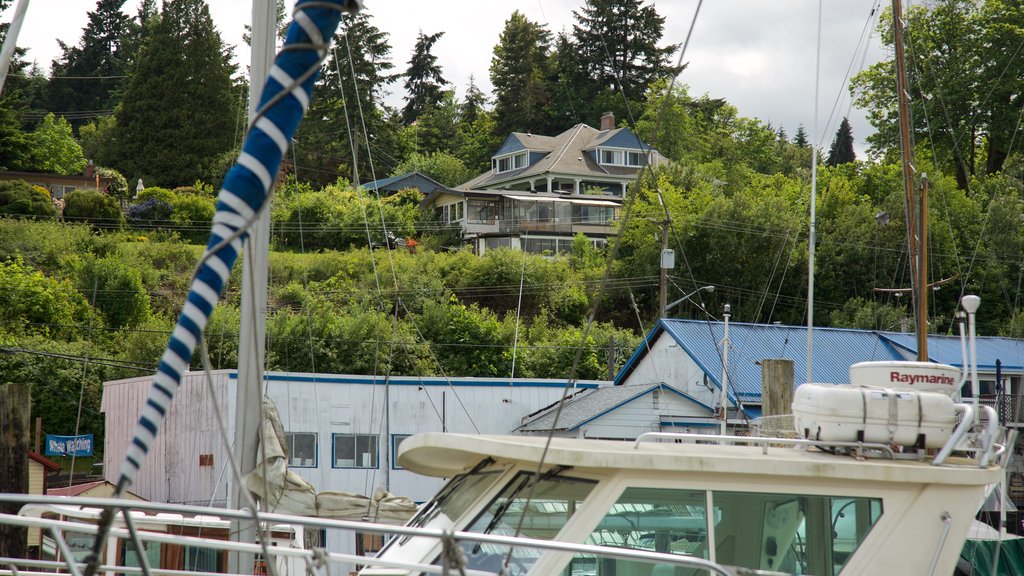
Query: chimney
{"points": [[607, 121], [90, 169]]}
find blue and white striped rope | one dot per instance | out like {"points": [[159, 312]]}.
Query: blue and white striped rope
{"points": [[284, 100]]}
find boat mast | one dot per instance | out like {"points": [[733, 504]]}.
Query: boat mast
{"points": [[11, 41], [252, 331], [916, 208]]}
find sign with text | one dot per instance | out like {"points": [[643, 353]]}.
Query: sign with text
{"points": [[69, 445]]}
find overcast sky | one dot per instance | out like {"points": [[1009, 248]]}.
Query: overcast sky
{"points": [[759, 55]]}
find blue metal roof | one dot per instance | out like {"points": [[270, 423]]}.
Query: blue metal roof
{"points": [[947, 350], [835, 350]]}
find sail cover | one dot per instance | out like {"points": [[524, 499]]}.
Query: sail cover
{"points": [[284, 491]]}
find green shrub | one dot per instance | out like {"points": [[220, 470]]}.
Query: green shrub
{"points": [[115, 289], [96, 208], [19, 198], [118, 188], [192, 216], [156, 193], [33, 303]]}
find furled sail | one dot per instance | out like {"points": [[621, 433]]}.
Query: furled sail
{"points": [[282, 490]]}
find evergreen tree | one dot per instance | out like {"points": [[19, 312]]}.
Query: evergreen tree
{"points": [[177, 116], [617, 45], [423, 80], [474, 104], [570, 99], [15, 145], [437, 129], [344, 104], [519, 72], [89, 76], [841, 151], [801, 137]]}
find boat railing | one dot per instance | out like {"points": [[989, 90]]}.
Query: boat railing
{"points": [[35, 509], [972, 435]]}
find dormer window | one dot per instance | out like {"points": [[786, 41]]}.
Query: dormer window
{"points": [[509, 162], [613, 157]]}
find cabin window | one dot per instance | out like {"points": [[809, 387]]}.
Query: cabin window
{"points": [[301, 449], [396, 441], [130, 554], [355, 451], [657, 519], [552, 501], [791, 533], [634, 159]]}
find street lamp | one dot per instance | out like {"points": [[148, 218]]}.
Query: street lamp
{"points": [[687, 297]]}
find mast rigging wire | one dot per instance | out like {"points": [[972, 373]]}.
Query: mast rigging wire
{"points": [[242, 199]]}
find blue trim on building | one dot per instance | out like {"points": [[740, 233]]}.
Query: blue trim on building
{"points": [[412, 381]]}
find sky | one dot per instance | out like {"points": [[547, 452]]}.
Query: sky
{"points": [[759, 55]]}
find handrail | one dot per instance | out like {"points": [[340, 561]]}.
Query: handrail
{"points": [[33, 503], [764, 442]]}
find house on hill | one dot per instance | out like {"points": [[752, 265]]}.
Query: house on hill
{"points": [[388, 186], [541, 191], [580, 160]]}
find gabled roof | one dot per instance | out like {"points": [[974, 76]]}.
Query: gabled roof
{"points": [[46, 462], [835, 350], [587, 406], [417, 180], [567, 154]]}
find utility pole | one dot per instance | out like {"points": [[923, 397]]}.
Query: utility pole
{"points": [[668, 261], [15, 403]]}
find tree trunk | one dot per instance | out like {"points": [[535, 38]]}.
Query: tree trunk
{"points": [[15, 404]]}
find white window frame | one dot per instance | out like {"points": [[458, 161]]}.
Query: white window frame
{"points": [[621, 157], [510, 162]]}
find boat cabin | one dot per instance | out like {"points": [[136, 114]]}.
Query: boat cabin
{"points": [[761, 506]]}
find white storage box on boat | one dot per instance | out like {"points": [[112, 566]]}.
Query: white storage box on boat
{"points": [[904, 375], [844, 413]]}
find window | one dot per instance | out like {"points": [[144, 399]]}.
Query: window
{"points": [[519, 161], [355, 451], [552, 501], [610, 157], [396, 441], [799, 534], [504, 164], [635, 159], [539, 245], [481, 211], [452, 212], [657, 519], [511, 162], [301, 449]]}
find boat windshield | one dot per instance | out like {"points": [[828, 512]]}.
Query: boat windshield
{"points": [[530, 506]]}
